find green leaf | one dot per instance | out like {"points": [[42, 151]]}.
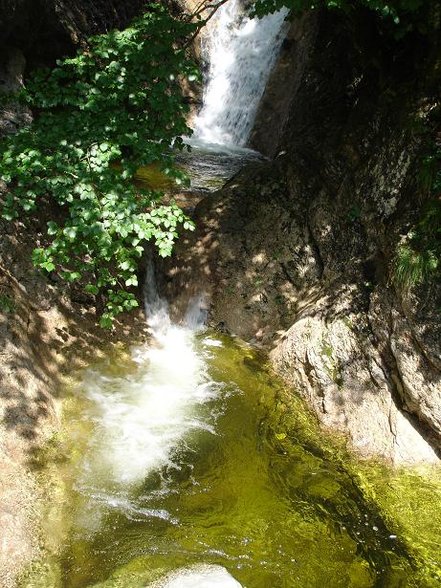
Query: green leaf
{"points": [[132, 281], [117, 102], [91, 289], [106, 321], [48, 266], [52, 228]]}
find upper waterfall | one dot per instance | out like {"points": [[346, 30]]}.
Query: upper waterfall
{"points": [[241, 53]]}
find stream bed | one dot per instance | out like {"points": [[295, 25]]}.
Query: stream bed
{"points": [[183, 454]]}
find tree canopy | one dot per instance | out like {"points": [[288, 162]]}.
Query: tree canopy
{"points": [[100, 116], [387, 8]]}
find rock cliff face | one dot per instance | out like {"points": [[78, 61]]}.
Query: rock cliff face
{"points": [[296, 254], [45, 29]]}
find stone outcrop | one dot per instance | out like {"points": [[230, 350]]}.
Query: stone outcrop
{"points": [[296, 254], [44, 30], [12, 115]]}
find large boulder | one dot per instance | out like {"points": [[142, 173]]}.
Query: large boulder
{"points": [[296, 254]]}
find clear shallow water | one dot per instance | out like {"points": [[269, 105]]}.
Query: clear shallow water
{"points": [[219, 475], [209, 166]]}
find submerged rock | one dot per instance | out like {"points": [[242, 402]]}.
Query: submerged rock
{"points": [[203, 576]]}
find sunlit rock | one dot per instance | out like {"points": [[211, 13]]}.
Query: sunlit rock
{"points": [[204, 576]]}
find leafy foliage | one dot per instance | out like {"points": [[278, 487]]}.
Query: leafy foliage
{"points": [[385, 7], [418, 257], [7, 304], [100, 116], [400, 12]]}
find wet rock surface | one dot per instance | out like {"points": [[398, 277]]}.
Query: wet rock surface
{"points": [[297, 254]]}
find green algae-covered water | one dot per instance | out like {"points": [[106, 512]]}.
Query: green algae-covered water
{"points": [[186, 454]]}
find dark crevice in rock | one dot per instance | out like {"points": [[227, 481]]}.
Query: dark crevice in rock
{"points": [[316, 248]]}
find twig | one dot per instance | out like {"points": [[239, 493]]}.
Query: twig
{"points": [[201, 8], [205, 5]]}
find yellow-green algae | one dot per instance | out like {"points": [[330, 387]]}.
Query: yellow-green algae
{"points": [[275, 501]]}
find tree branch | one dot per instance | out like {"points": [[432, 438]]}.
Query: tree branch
{"points": [[205, 5]]}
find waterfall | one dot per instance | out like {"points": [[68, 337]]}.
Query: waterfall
{"points": [[241, 53], [144, 420], [147, 415]]}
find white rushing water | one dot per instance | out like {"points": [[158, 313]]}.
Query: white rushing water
{"points": [[241, 53], [141, 419], [139, 422]]}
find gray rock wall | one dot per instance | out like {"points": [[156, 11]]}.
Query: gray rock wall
{"points": [[296, 254]]}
